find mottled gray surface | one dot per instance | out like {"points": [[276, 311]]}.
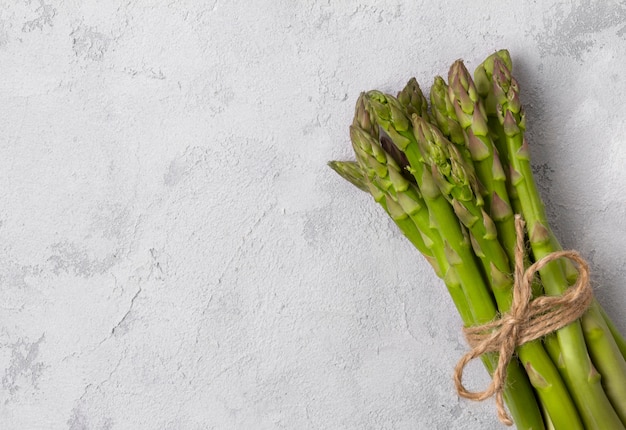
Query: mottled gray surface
{"points": [[175, 254]]}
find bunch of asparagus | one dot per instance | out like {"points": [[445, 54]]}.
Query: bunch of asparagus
{"points": [[452, 174]]}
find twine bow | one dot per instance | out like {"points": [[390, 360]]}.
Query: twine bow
{"points": [[527, 320]]}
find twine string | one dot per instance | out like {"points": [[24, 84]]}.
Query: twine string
{"points": [[527, 320]]}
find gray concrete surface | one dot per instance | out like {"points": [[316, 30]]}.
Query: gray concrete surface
{"points": [[174, 252]]}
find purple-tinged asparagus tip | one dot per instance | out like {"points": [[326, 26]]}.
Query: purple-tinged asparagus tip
{"points": [[513, 100], [500, 210], [361, 115], [536, 379], [360, 138], [539, 234], [433, 263], [497, 171], [395, 211], [465, 216], [428, 186], [410, 205], [515, 176], [490, 228], [378, 195], [422, 127], [524, 152], [501, 81], [509, 124], [451, 255], [477, 148], [499, 278], [594, 375], [459, 71], [479, 120], [459, 88], [476, 247]]}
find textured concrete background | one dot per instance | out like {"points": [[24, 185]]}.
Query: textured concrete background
{"points": [[174, 252]]}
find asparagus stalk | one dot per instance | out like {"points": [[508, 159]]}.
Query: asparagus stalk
{"points": [[585, 385], [483, 78], [472, 118]]}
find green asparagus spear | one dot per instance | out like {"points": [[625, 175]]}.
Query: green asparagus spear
{"points": [[585, 385], [472, 117], [413, 101], [483, 79]]}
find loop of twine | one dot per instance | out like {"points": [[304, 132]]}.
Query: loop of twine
{"points": [[527, 320]]}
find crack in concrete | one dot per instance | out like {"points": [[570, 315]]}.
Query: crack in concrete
{"points": [[130, 308]]}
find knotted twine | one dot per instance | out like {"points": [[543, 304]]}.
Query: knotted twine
{"points": [[527, 320]]}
